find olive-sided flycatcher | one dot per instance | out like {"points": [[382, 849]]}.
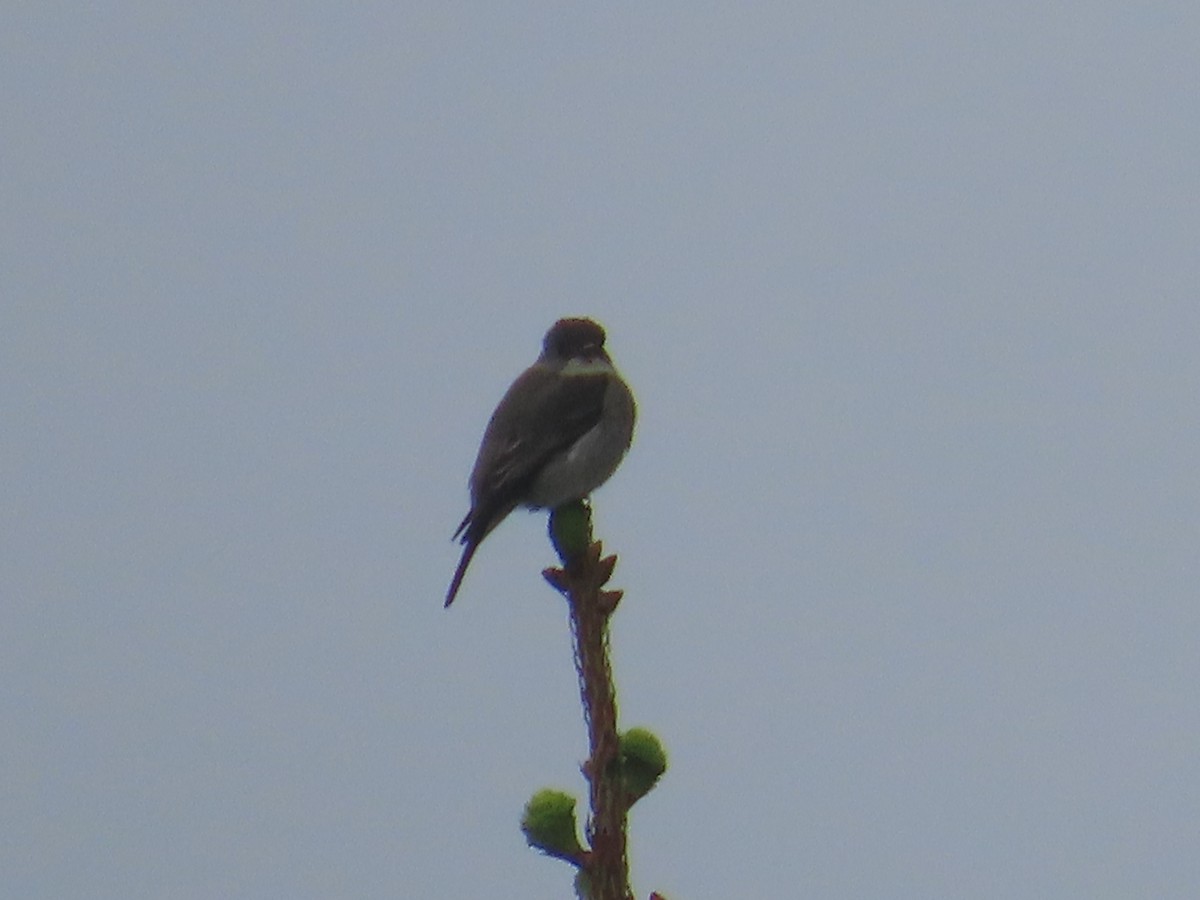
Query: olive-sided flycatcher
{"points": [[559, 432]]}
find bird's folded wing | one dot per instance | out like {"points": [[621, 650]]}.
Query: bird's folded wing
{"points": [[521, 439]]}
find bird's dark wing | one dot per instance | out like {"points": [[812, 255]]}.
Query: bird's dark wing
{"points": [[520, 440]]}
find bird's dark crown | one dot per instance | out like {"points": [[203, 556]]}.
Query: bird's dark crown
{"points": [[574, 339]]}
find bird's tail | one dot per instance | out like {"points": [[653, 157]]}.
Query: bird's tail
{"points": [[468, 552]]}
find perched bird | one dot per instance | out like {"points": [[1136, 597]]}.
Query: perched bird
{"points": [[558, 434]]}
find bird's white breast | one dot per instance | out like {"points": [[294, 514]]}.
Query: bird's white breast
{"points": [[593, 458]]}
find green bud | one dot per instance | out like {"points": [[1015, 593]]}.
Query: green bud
{"points": [[642, 761], [571, 530], [549, 824]]}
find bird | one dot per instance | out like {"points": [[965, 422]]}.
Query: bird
{"points": [[559, 432]]}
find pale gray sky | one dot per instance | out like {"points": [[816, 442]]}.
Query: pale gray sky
{"points": [[908, 532]]}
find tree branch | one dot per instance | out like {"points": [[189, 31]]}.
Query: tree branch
{"points": [[605, 869]]}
